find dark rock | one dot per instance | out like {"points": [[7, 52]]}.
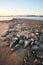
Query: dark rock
{"points": [[21, 42], [16, 47]]}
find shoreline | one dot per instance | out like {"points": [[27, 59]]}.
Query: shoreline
{"points": [[8, 18], [19, 19]]}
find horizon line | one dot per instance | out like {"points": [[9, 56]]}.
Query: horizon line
{"points": [[20, 15]]}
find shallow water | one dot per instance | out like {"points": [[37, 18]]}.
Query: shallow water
{"points": [[9, 18]]}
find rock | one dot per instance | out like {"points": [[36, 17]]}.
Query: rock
{"points": [[15, 38], [36, 34], [32, 35], [5, 34], [41, 37], [21, 42], [35, 47], [26, 43], [28, 37], [37, 42], [13, 44], [16, 47]]}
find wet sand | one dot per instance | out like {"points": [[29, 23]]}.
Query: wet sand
{"points": [[3, 28], [6, 56]]}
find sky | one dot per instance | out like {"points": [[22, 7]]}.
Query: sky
{"points": [[21, 7]]}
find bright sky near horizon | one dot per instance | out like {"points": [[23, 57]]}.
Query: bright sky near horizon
{"points": [[21, 7]]}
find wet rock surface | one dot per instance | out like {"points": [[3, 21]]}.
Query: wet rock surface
{"points": [[23, 39]]}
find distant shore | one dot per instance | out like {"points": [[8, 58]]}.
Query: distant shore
{"points": [[23, 15]]}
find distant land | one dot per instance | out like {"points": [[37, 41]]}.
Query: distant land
{"points": [[23, 16]]}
